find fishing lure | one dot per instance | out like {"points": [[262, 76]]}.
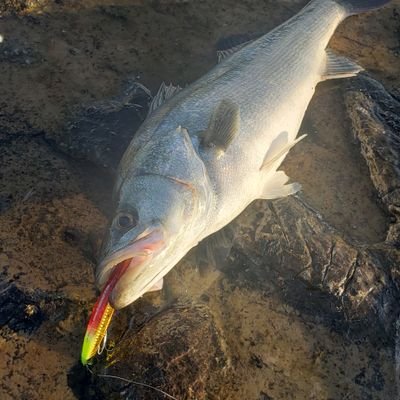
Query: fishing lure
{"points": [[101, 316]]}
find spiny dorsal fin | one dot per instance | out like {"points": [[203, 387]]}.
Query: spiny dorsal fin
{"points": [[339, 67], [276, 187], [279, 147], [164, 93], [230, 45], [223, 127]]}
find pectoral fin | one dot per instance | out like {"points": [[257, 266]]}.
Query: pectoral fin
{"points": [[279, 147], [223, 127], [339, 67], [276, 187]]}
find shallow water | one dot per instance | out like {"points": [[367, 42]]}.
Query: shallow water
{"points": [[281, 319]]}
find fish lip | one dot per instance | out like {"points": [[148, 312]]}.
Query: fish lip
{"points": [[145, 246]]}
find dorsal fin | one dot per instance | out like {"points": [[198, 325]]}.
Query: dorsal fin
{"points": [[230, 45], [279, 147], [164, 93], [224, 125]]}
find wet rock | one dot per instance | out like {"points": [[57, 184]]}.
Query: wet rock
{"points": [[46, 273], [353, 285], [13, 5], [179, 353], [18, 310], [15, 52], [375, 115], [24, 310], [264, 396], [118, 13], [100, 132], [347, 286]]}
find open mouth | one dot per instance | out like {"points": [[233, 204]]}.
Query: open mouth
{"points": [[138, 253], [133, 258]]}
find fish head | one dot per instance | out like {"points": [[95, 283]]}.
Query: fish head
{"points": [[155, 224]]}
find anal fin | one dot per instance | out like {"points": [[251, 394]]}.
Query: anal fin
{"points": [[339, 67], [277, 186]]}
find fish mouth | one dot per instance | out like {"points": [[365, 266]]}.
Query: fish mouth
{"points": [[139, 253]]}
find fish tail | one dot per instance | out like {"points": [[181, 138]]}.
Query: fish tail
{"points": [[360, 6]]}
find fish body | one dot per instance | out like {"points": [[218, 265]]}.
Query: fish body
{"points": [[212, 148]]}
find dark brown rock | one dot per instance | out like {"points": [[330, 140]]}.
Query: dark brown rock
{"points": [[177, 349], [375, 115], [100, 132]]}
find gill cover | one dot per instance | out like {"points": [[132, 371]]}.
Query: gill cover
{"points": [[173, 157]]}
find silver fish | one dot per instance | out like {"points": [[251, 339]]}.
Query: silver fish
{"points": [[206, 152]]}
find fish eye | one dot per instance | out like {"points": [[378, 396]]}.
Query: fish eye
{"points": [[126, 220]]}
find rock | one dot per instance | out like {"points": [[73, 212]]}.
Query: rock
{"points": [[18, 310], [375, 115], [46, 273], [13, 5], [179, 352], [100, 132], [349, 282], [16, 52]]}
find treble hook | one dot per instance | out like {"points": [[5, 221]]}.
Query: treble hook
{"points": [[102, 346]]}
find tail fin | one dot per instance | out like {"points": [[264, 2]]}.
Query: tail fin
{"points": [[359, 6]]}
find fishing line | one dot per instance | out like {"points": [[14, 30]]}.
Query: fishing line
{"points": [[133, 382], [138, 384]]}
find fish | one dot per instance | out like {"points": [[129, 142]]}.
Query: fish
{"points": [[205, 152]]}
